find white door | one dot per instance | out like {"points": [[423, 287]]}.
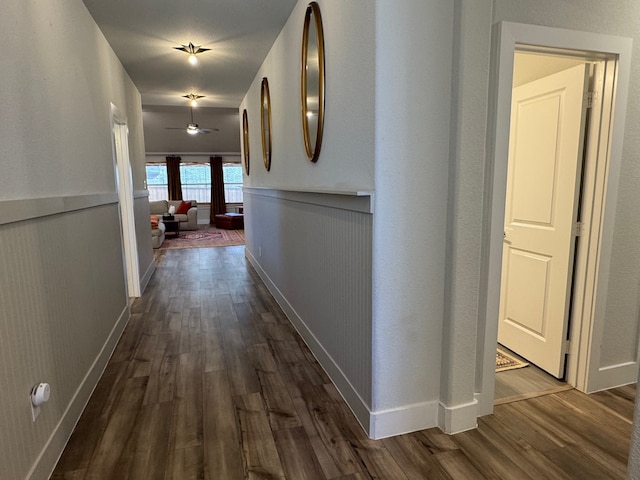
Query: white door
{"points": [[545, 158]]}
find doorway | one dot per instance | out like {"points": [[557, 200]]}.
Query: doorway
{"points": [[602, 160], [542, 205], [124, 189]]}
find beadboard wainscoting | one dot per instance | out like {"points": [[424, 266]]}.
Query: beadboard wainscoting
{"points": [[63, 306], [323, 283]]}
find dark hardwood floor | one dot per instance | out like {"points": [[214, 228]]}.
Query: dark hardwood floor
{"points": [[210, 381]]}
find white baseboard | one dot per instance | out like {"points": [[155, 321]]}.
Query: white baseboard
{"points": [[613, 376], [377, 425], [50, 454], [402, 420], [458, 418], [144, 281]]}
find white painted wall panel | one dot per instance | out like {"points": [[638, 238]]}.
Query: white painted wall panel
{"points": [[61, 293], [319, 257]]}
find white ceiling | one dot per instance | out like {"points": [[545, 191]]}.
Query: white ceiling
{"points": [[143, 33]]}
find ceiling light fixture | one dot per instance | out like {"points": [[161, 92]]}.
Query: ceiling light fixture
{"points": [[192, 50], [193, 99]]}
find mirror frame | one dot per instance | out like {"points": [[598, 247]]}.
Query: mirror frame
{"points": [[313, 10], [265, 111], [245, 140]]}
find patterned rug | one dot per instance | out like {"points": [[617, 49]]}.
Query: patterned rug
{"points": [[205, 236], [505, 361]]}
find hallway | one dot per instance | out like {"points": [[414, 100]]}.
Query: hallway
{"points": [[210, 381]]}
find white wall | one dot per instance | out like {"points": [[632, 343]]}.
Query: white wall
{"points": [[63, 302], [346, 160], [414, 41], [314, 249]]}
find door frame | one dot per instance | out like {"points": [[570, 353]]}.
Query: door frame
{"points": [[605, 143], [124, 189]]}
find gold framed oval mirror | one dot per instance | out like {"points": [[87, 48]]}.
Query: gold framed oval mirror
{"points": [[265, 122], [313, 81], [245, 140]]}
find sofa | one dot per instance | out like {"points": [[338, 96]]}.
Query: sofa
{"points": [[188, 221], [157, 231]]}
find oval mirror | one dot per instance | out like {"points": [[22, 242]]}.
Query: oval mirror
{"points": [[312, 81], [265, 121], [245, 140]]}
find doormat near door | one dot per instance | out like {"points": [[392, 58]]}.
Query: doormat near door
{"points": [[505, 361], [205, 236]]}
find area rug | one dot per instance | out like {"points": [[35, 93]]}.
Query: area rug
{"points": [[505, 361], [205, 236]]}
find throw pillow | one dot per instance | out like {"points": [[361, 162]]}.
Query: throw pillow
{"points": [[183, 208]]}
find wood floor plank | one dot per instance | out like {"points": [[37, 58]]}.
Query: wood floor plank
{"points": [[243, 376], [458, 466], [211, 381], [188, 464], [486, 457], [105, 463], [333, 450], [258, 445], [415, 457], [188, 403], [280, 408], [297, 454], [222, 447]]}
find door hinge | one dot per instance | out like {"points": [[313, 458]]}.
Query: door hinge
{"points": [[591, 97], [566, 347], [577, 229]]}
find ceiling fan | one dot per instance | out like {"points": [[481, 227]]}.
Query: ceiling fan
{"points": [[193, 128]]}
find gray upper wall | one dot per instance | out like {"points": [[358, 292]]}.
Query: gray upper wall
{"points": [[59, 76]]}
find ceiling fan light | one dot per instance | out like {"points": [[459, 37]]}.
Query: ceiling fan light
{"points": [[194, 103], [193, 59], [192, 129]]}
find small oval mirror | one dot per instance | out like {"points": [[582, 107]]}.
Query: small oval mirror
{"points": [[245, 140], [265, 121], [313, 81]]}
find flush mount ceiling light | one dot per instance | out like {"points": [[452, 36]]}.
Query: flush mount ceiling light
{"points": [[192, 50], [193, 98]]}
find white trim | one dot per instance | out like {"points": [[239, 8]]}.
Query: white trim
{"points": [[613, 376], [356, 201], [53, 448], [458, 418], [29, 208], [507, 36], [146, 278], [407, 419], [124, 189]]}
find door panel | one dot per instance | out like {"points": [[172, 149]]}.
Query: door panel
{"points": [[545, 156]]}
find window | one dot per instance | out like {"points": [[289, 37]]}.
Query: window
{"points": [[232, 177], [196, 182], [157, 183]]}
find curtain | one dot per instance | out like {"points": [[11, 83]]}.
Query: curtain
{"points": [[218, 204], [173, 178]]}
